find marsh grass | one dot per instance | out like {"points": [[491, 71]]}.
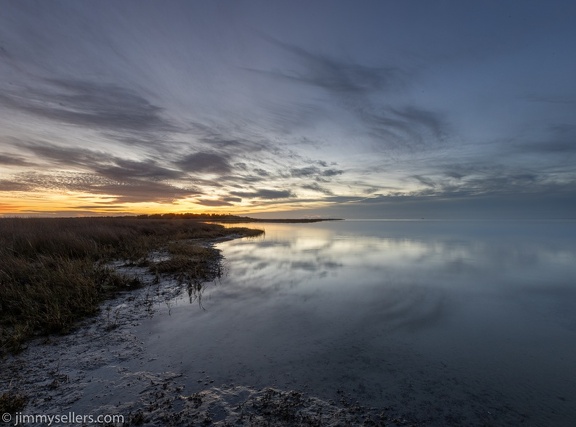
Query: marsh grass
{"points": [[53, 270], [246, 232], [191, 265]]}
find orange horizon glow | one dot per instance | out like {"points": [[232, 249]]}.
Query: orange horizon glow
{"points": [[73, 204]]}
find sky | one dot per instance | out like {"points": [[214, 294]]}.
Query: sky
{"points": [[348, 109]]}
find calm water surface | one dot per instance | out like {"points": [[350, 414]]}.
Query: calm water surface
{"points": [[447, 322]]}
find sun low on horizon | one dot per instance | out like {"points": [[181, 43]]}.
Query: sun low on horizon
{"points": [[369, 109]]}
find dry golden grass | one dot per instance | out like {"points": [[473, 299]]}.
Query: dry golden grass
{"points": [[52, 270]]}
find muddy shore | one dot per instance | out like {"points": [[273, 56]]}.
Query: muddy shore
{"points": [[104, 368]]}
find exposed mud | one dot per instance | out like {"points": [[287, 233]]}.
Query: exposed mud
{"points": [[269, 344], [102, 368]]}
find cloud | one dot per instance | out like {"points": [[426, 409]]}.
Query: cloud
{"points": [[477, 180], [66, 156], [205, 163], [504, 182], [550, 205], [425, 181], [358, 89], [332, 172], [210, 202], [403, 127], [102, 207], [90, 104], [344, 199], [4, 53], [103, 163], [316, 187], [561, 140], [10, 160], [457, 172], [422, 118], [264, 194], [129, 169], [248, 179], [304, 172], [289, 117], [314, 171], [230, 136], [128, 190], [262, 172], [156, 141], [8, 185], [142, 191], [335, 75], [232, 199]]}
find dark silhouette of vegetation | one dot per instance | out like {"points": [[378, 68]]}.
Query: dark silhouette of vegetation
{"points": [[228, 218]]}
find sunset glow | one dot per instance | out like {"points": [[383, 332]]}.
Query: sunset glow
{"points": [[377, 110]]}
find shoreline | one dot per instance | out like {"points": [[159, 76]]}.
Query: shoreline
{"points": [[104, 357], [275, 221], [56, 270]]}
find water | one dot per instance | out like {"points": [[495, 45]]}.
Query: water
{"points": [[447, 323]]}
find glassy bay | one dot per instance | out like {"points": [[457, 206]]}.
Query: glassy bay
{"points": [[446, 322]]}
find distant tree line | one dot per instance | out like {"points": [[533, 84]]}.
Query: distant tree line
{"points": [[227, 218], [199, 217]]}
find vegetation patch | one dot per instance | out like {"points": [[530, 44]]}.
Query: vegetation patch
{"points": [[53, 271]]}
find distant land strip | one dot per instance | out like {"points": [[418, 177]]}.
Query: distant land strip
{"points": [[227, 218]]}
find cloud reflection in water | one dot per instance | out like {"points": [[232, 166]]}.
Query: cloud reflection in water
{"points": [[398, 308]]}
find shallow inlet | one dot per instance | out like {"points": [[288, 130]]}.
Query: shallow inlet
{"points": [[445, 323]]}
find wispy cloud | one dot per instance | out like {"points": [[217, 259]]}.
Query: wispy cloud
{"points": [[318, 188], [131, 191], [102, 163], [102, 173], [11, 160], [456, 182], [392, 125], [148, 103], [264, 194], [9, 185], [403, 128], [560, 140], [334, 74], [89, 104], [130, 169], [202, 162], [312, 171]]}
